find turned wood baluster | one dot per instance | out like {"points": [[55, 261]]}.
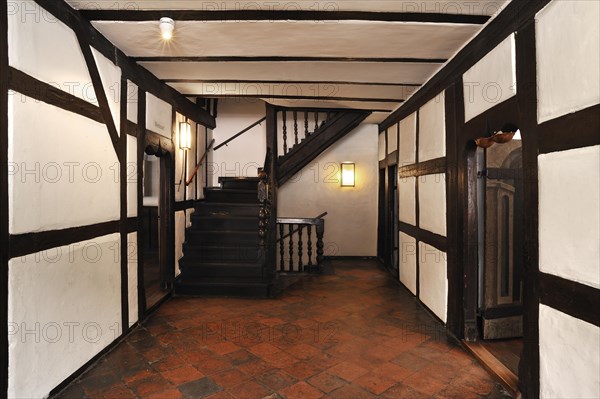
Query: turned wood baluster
{"points": [[281, 249], [295, 128], [309, 249], [316, 121], [285, 147], [300, 261], [306, 132], [263, 212], [320, 232], [291, 231]]}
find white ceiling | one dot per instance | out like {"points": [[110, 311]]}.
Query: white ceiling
{"points": [[369, 59]]}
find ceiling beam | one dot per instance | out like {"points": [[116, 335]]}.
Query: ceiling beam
{"points": [[284, 97], [287, 15], [298, 82], [287, 59]]}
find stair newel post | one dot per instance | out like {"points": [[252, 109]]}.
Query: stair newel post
{"points": [[284, 121], [309, 246], [270, 251], [300, 260], [306, 132], [281, 248], [320, 245], [295, 127]]}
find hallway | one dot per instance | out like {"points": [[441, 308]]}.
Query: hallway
{"points": [[355, 334]]}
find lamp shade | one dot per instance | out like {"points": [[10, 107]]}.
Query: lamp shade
{"points": [[348, 169], [185, 136]]}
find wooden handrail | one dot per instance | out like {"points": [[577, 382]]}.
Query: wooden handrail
{"points": [[312, 221], [235, 136], [189, 181]]}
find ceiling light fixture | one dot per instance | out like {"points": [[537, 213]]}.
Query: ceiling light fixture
{"points": [[167, 26]]}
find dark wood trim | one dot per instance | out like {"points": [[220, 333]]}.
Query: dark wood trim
{"points": [[382, 164], [526, 66], [514, 15], [493, 119], [123, 225], [431, 167], [94, 73], [4, 198], [286, 97], [156, 144], [435, 240], [184, 205], [292, 82], [329, 109], [235, 136], [282, 15], [132, 128], [576, 130], [575, 299], [141, 233], [31, 87], [140, 76], [470, 248], [417, 211], [502, 311], [392, 159], [289, 59], [29, 243]]}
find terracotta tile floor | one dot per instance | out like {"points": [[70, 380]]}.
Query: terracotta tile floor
{"points": [[352, 335]]}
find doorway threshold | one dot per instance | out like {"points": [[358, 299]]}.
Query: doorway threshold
{"points": [[509, 380]]}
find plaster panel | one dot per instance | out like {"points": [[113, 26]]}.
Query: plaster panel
{"points": [[568, 57], [392, 133], [433, 281], [408, 135], [64, 169], [132, 101], [381, 143], [432, 203], [492, 80], [569, 216], [407, 200], [132, 177], [110, 74], [64, 307], [132, 273], [159, 116], [569, 356], [432, 129], [408, 262]]}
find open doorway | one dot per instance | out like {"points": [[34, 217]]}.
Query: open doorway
{"points": [[381, 230], [155, 217], [496, 190], [392, 220]]}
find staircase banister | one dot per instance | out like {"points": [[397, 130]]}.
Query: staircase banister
{"points": [[235, 136], [193, 175]]}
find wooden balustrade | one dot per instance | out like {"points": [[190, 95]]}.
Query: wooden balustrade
{"points": [[320, 119], [297, 258]]}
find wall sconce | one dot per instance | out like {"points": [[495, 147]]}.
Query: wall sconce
{"points": [[167, 26], [348, 169], [185, 136]]}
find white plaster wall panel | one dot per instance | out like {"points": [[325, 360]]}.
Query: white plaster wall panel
{"points": [[492, 80], [350, 209], [408, 262], [432, 129], [408, 144], [75, 183], [381, 143], [110, 74], [568, 57], [72, 296], [132, 101], [432, 203], [159, 116], [132, 274], [407, 200], [484, 7], [179, 239], [35, 36], [569, 216], [132, 177], [392, 134], [569, 356], [268, 38], [191, 163], [388, 72], [433, 280], [244, 155]]}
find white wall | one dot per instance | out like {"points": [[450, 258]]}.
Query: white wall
{"points": [[491, 80], [432, 203], [381, 147], [408, 262], [159, 116], [407, 200], [568, 57], [351, 225], [244, 155], [392, 134], [432, 129], [569, 356], [408, 135], [433, 281], [69, 299], [569, 215], [132, 273]]}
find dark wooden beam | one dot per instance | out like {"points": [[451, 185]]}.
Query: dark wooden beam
{"points": [[140, 76], [435, 240], [4, 198], [282, 15], [516, 14], [575, 299], [576, 130], [31, 87], [123, 223], [431, 167], [292, 82], [315, 98], [289, 59]]}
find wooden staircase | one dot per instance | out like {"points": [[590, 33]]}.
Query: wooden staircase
{"points": [[221, 254]]}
